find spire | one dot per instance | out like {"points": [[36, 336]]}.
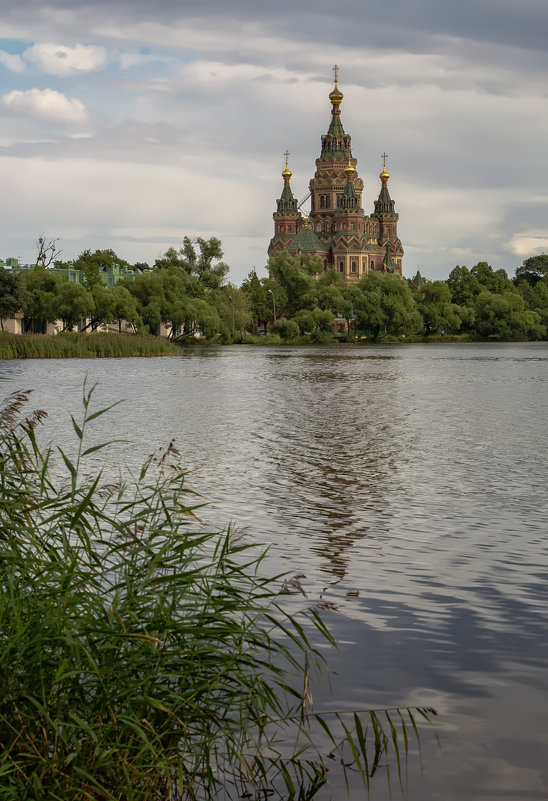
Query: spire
{"points": [[287, 202], [385, 204], [349, 199], [336, 96]]}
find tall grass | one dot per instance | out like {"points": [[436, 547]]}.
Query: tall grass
{"points": [[98, 345], [144, 657]]}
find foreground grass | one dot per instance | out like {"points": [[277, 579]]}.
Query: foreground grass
{"points": [[146, 658], [83, 346]]}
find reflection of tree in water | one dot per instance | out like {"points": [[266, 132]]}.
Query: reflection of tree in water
{"points": [[335, 438]]}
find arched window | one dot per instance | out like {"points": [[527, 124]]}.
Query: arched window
{"points": [[322, 202], [341, 266], [327, 226], [328, 201], [318, 227]]}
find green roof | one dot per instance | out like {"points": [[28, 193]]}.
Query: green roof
{"points": [[307, 241], [336, 127]]}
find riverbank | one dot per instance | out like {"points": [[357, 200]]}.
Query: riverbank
{"points": [[83, 346]]}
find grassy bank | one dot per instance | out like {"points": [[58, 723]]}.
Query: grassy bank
{"points": [[83, 346]]}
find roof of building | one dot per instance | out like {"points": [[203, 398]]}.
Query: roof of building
{"points": [[306, 241]]}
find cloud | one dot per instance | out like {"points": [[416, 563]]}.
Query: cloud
{"points": [[45, 104], [13, 62], [62, 61], [525, 244]]}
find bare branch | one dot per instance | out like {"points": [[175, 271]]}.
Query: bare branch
{"points": [[47, 250]]}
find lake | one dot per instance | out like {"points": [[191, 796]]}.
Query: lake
{"points": [[407, 484]]}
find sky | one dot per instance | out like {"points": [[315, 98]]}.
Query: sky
{"points": [[128, 124]]}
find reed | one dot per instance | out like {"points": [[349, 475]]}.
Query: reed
{"points": [[83, 346], [144, 657]]}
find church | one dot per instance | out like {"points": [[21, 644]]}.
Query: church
{"points": [[338, 230]]}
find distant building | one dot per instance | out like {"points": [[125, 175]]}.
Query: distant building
{"points": [[338, 230], [110, 275], [10, 263]]}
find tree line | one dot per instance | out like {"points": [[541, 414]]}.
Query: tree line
{"points": [[187, 291], [480, 301]]}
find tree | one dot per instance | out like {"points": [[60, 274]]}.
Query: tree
{"points": [[234, 308], [73, 303], [204, 264], [386, 304], [40, 299], [434, 304], [11, 296], [148, 291], [124, 307], [298, 283], [533, 269], [47, 251], [504, 316], [286, 329], [258, 302], [464, 286], [492, 280]]}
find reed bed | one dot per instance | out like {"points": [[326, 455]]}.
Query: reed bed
{"points": [[83, 346], [146, 658]]}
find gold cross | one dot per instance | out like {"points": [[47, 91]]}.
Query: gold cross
{"points": [[287, 155], [336, 73], [384, 157]]}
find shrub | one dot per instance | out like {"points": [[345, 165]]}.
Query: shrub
{"points": [[286, 329], [143, 657]]}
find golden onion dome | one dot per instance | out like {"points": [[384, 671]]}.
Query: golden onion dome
{"points": [[336, 95], [384, 175], [349, 169]]}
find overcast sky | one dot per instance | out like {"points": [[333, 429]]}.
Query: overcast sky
{"points": [[129, 124]]}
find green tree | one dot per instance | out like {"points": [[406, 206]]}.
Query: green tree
{"points": [[386, 305], [505, 317], [286, 329], [258, 302], [234, 309], [73, 303], [493, 280], [464, 286], [124, 307], [434, 304], [533, 269], [276, 298], [203, 263], [11, 296], [148, 291], [293, 276], [41, 292], [103, 306]]}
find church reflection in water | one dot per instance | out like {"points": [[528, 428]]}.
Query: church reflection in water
{"points": [[337, 436]]}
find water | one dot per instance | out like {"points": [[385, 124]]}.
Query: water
{"points": [[408, 486]]}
